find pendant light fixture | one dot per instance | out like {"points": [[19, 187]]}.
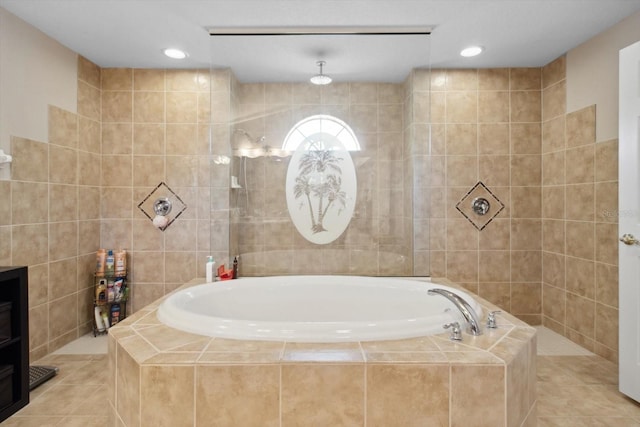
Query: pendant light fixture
{"points": [[320, 78]]}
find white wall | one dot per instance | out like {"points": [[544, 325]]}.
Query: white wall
{"points": [[592, 74], [35, 71]]}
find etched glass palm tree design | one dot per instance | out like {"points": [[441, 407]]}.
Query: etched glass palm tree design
{"points": [[320, 176]]}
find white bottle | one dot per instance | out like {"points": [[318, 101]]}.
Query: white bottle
{"points": [[210, 270], [99, 322]]}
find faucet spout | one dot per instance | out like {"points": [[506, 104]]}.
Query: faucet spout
{"points": [[469, 314]]}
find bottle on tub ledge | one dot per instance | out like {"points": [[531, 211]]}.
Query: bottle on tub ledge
{"points": [[210, 270], [229, 274]]}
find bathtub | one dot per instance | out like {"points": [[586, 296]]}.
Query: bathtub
{"points": [[321, 309]]}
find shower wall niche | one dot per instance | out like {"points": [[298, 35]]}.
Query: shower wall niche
{"points": [[390, 122]]}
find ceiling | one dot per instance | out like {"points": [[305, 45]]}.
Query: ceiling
{"points": [[132, 33]]}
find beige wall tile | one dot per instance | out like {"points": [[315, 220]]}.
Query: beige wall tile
{"points": [[553, 269], [180, 266], [116, 202], [496, 235], [580, 275], [607, 161], [62, 278], [88, 168], [526, 78], [581, 127], [553, 236], [525, 202], [462, 79], [38, 283], [63, 165], [89, 101], [63, 240], [337, 389], [63, 316], [526, 298], [553, 134], [461, 139], [494, 266], [63, 203], [607, 284], [148, 171], [6, 208], [438, 107], [400, 395], [525, 106], [493, 79], [581, 315], [526, 234], [63, 127], [580, 202], [493, 139], [526, 138], [148, 79], [494, 170], [462, 171], [38, 326], [553, 303], [606, 244], [88, 237], [462, 266], [181, 139], [175, 383], [117, 106], [580, 239], [149, 139], [89, 72], [553, 168], [462, 107], [128, 378], [28, 202], [606, 328], [181, 80], [493, 107], [88, 202], [181, 107], [553, 200], [477, 393], [257, 386], [117, 79], [116, 138], [526, 266], [461, 235], [525, 170], [29, 244], [606, 204], [148, 107], [554, 71], [554, 100], [116, 171], [30, 160]]}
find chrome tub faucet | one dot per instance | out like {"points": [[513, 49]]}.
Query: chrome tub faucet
{"points": [[469, 314]]}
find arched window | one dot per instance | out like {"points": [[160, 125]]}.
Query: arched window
{"points": [[312, 128]]}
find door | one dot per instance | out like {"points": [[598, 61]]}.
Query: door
{"points": [[629, 221]]}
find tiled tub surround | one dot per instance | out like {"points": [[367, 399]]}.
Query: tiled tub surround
{"points": [[487, 380]]}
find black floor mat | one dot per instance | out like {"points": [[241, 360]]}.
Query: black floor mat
{"points": [[40, 374]]}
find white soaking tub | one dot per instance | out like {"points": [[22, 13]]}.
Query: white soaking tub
{"points": [[313, 309]]}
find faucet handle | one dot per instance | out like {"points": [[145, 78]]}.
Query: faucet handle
{"points": [[491, 319], [456, 332]]}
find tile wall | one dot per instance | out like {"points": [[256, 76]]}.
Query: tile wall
{"points": [[378, 239], [487, 127], [579, 215], [53, 221], [155, 128]]}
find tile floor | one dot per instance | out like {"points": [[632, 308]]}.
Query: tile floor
{"points": [[575, 388]]}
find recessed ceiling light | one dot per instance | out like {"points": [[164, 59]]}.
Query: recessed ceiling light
{"points": [[471, 51], [175, 53]]}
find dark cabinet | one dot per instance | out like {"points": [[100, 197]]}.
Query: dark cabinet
{"points": [[14, 340]]}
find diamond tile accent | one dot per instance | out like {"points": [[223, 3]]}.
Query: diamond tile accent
{"points": [[162, 191], [465, 206]]}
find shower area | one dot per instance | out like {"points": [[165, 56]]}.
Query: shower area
{"points": [[322, 175]]}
